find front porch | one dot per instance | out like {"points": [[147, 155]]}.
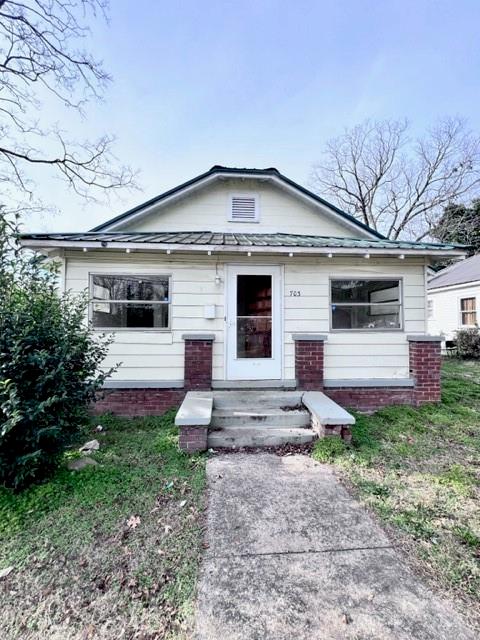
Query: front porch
{"points": [[238, 419], [137, 398]]}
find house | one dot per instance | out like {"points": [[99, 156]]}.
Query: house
{"points": [[243, 278], [454, 298]]}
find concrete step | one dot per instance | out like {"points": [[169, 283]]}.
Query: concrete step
{"points": [[235, 437], [255, 399], [264, 417]]}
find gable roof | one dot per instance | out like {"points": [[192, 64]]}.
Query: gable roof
{"points": [[217, 172], [467, 270]]}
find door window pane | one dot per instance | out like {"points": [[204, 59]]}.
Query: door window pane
{"points": [[254, 316], [254, 337]]}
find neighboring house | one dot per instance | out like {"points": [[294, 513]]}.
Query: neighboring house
{"points": [[241, 277], [454, 298]]}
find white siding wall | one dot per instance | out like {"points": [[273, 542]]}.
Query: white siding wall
{"points": [[353, 354], [446, 309], [207, 210], [158, 355]]}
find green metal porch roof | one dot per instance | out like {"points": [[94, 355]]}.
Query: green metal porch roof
{"points": [[210, 238]]}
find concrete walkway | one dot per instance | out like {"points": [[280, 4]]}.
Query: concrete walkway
{"points": [[291, 555]]}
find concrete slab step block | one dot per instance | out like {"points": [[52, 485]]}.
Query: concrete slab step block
{"points": [[234, 438], [259, 417]]}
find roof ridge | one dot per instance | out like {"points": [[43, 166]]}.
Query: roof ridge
{"points": [[216, 169]]}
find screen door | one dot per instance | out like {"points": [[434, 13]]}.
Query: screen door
{"points": [[253, 323]]}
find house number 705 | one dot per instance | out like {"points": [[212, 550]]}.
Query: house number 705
{"points": [[295, 293]]}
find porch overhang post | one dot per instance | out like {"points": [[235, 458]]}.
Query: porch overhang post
{"points": [[425, 364], [309, 360], [198, 360]]}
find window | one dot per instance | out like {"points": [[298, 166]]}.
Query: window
{"points": [[243, 207], [430, 309], [468, 312], [366, 304], [129, 302]]}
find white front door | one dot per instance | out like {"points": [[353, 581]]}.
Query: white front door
{"points": [[254, 323]]}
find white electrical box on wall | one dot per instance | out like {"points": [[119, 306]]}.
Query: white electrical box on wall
{"points": [[209, 311]]}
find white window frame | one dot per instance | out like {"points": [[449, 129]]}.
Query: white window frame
{"points": [[364, 304], [244, 194], [461, 312], [92, 300]]}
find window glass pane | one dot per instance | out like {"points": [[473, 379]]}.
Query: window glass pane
{"points": [[154, 288], [254, 337], [115, 315], [366, 316], [467, 304], [468, 308], [364, 291], [254, 295], [254, 316], [469, 318]]}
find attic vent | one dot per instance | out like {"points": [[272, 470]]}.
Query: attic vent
{"points": [[244, 208]]}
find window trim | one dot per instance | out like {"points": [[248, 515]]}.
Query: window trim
{"points": [[123, 274], [461, 312], [342, 276], [244, 194]]}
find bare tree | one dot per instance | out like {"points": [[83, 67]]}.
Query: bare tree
{"points": [[394, 183], [40, 56]]}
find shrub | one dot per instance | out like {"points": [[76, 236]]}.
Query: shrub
{"points": [[49, 365], [468, 343], [328, 449]]}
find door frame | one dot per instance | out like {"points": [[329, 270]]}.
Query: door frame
{"points": [[228, 267]]}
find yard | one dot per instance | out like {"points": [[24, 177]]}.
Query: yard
{"points": [[419, 470], [110, 551]]}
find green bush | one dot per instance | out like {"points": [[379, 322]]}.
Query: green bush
{"points": [[468, 343], [49, 365], [328, 449]]}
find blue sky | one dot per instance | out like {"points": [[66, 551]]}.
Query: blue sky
{"points": [[265, 83]]}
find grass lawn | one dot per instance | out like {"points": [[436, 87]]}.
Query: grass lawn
{"points": [[419, 470], [110, 551]]}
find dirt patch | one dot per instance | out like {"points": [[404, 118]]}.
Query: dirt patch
{"points": [[282, 450]]}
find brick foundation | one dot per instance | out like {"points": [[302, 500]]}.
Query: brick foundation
{"points": [[198, 361], [369, 399], [193, 439], [309, 366], [137, 402], [424, 359]]}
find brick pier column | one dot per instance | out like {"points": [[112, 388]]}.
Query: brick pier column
{"points": [[425, 362], [309, 355], [198, 361], [193, 439]]}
